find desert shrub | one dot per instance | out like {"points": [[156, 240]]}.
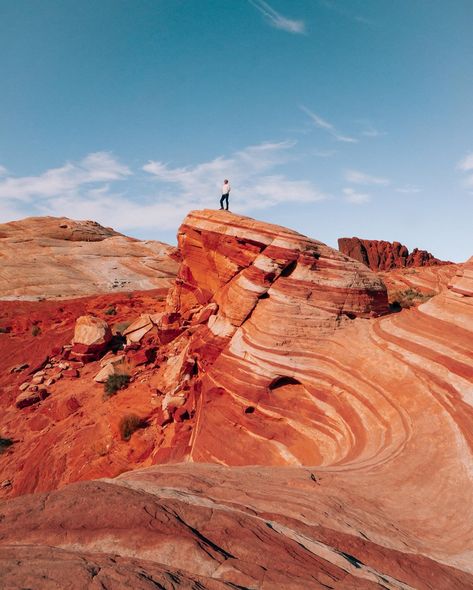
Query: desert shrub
{"points": [[35, 331], [111, 311], [5, 443], [4, 330], [116, 382], [130, 424], [408, 298]]}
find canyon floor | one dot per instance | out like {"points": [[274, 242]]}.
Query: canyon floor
{"points": [[305, 422]]}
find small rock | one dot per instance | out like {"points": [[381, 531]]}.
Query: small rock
{"points": [[49, 382], [6, 483], [19, 368], [37, 380], [39, 374], [74, 373], [27, 398], [24, 386], [63, 366]]}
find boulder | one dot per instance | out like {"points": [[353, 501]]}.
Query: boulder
{"points": [[91, 338]]}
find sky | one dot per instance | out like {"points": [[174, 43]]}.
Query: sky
{"points": [[336, 118]]}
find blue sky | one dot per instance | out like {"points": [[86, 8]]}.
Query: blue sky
{"points": [[333, 117]]}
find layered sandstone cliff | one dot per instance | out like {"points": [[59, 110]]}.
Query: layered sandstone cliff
{"points": [[274, 350], [381, 255], [45, 257]]}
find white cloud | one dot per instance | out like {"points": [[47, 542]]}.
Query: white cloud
{"points": [[323, 124], [466, 165], [357, 177], [409, 189], [371, 131], [251, 170], [166, 193], [276, 20], [3, 171], [355, 198], [94, 168]]}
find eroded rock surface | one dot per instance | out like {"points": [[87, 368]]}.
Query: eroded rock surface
{"points": [[381, 255], [211, 527], [59, 257]]}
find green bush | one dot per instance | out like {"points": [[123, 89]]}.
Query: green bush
{"points": [[116, 382], [35, 331], [4, 330], [130, 424], [5, 443], [111, 311]]}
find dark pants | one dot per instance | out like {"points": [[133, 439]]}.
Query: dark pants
{"points": [[224, 198]]}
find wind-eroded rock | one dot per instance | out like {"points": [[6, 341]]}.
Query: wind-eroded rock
{"points": [[381, 255], [59, 257], [215, 528]]}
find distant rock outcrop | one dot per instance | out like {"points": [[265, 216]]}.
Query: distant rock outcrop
{"points": [[47, 257], [380, 255]]}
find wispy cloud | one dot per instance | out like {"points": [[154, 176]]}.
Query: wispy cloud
{"points": [[94, 168], [409, 189], [3, 171], [370, 130], [466, 165], [357, 177], [323, 124], [354, 197], [159, 195], [332, 5], [252, 170], [277, 20]]}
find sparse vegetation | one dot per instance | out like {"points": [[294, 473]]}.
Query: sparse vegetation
{"points": [[130, 424], [408, 298], [5, 443], [116, 382], [35, 330], [111, 311], [4, 330]]}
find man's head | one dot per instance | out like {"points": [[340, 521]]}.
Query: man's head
{"points": [[225, 181]]}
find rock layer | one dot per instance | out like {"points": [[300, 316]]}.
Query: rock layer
{"points": [[58, 257], [381, 255], [272, 350], [210, 527]]}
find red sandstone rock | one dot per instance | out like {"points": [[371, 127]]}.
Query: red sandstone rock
{"points": [[298, 367], [74, 373], [380, 255], [91, 337]]}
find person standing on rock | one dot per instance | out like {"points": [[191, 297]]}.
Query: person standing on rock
{"points": [[225, 194]]}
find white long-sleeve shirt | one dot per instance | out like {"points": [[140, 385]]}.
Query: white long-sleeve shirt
{"points": [[226, 188]]}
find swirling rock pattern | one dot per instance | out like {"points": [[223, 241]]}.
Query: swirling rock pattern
{"points": [[273, 350]]}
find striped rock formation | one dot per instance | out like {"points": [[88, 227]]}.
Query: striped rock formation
{"points": [[207, 527], [46, 257], [273, 350]]}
